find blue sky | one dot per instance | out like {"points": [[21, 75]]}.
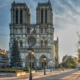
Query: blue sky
{"points": [[66, 21]]}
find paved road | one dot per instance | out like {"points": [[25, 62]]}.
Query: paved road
{"points": [[55, 75], [66, 75]]}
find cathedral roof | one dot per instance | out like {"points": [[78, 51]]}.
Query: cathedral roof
{"points": [[20, 4], [45, 4]]}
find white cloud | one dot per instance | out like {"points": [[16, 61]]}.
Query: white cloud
{"points": [[67, 40], [68, 23]]}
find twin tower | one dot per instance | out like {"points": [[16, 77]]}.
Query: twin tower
{"points": [[20, 13]]}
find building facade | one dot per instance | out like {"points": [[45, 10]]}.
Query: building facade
{"points": [[4, 60], [40, 35]]}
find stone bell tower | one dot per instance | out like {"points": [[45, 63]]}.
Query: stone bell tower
{"points": [[45, 30], [20, 13], [44, 13], [20, 18]]}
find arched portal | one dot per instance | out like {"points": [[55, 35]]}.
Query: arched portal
{"points": [[42, 62], [33, 61]]}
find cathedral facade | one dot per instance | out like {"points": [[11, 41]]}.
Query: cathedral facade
{"points": [[40, 35]]}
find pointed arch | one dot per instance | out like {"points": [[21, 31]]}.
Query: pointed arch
{"points": [[42, 62], [33, 60], [41, 43]]}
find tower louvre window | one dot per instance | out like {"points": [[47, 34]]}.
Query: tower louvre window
{"points": [[42, 16], [21, 15], [46, 16], [16, 16]]}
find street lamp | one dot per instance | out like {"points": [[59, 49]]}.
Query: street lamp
{"points": [[44, 65], [31, 52], [51, 66]]}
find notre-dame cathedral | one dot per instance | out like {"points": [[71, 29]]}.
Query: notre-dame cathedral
{"points": [[40, 34]]}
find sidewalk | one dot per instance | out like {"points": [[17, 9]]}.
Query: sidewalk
{"points": [[35, 75]]}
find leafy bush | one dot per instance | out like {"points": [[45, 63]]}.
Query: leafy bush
{"points": [[13, 69]]}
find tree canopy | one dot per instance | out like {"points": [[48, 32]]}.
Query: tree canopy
{"points": [[69, 61]]}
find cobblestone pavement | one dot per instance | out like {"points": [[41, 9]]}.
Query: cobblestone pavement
{"points": [[69, 74]]}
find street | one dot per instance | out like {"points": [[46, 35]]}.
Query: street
{"points": [[67, 74]]}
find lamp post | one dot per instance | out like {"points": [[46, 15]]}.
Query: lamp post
{"points": [[44, 65], [31, 52], [51, 66]]}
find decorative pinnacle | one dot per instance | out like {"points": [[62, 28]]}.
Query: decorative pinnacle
{"points": [[13, 1], [48, 1]]}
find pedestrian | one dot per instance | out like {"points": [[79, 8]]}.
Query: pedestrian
{"points": [[62, 67]]}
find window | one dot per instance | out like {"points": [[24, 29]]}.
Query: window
{"points": [[16, 30], [20, 30], [41, 43], [42, 16], [45, 43], [20, 43], [21, 15], [41, 30], [16, 16], [46, 16], [17, 42]]}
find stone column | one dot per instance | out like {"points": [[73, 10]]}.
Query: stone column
{"points": [[37, 42], [37, 60], [43, 43], [37, 16], [43, 30], [24, 29], [23, 42], [26, 16], [11, 30], [12, 15], [37, 36], [37, 29]]}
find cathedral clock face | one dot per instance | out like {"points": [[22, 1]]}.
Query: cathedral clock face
{"points": [[31, 41]]}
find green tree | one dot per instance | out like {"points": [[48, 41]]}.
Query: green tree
{"points": [[70, 62], [15, 59]]}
